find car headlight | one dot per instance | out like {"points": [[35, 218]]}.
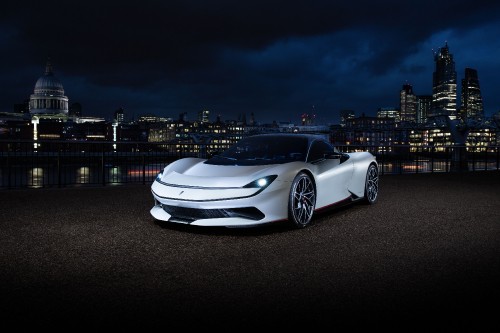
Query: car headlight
{"points": [[262, 182], [158, 177]]}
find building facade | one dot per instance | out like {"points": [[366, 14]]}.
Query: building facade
{"points": [[471, 100], [389, 112], [408, 104], [444, 84], [204, 116], [424, 105], [48, 97], [345, 115]]}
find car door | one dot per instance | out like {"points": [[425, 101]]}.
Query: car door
{"points": [[333, 173]]}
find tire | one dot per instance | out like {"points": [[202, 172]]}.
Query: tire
{"points": [[371, 184], [302, 201]]}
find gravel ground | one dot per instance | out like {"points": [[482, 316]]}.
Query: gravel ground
{"points": [[93, 257]]}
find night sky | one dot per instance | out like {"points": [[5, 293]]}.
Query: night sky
{"points": [[277, 59]]}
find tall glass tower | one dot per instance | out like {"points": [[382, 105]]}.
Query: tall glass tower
{"points": [[408, 104], [444, 84], [472, 102]]}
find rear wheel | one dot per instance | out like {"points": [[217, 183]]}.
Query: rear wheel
{"points": [[371, 184], [302, 201]]}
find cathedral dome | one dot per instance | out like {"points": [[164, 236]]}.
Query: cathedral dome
{"points": [[48, 97], [49, 84]]}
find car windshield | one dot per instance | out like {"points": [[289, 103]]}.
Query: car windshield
{"points": [[262, 150]]}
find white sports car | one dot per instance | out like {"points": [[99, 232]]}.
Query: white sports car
{"points": [[261, 179]]}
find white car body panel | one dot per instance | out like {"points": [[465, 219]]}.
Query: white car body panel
{"points": [[361, 161], [190, 185], [332, 182]]}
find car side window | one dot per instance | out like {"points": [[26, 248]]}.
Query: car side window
{"points": [[318, 151]]}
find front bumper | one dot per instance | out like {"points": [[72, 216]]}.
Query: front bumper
{"points": [[213, 207]]}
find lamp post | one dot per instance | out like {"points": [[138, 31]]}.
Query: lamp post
{"points": [[35, 121]]}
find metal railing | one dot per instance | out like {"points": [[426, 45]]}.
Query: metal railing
{"points": [[36, 164], [399, 159]]}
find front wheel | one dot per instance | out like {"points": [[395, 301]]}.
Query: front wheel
{"points": [[302, 201], [371, 184]]}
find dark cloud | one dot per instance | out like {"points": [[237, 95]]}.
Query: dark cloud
{"points": [[272, 57]]}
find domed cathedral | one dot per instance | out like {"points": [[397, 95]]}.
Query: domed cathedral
{"points": [[48, 97]]}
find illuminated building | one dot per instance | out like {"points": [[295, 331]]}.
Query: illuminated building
{"points": [[48, 97], [434, 135], [444, 84], [438, 137], [346, 115], [408, 104], [162, 133], [479, 139], [370, 131], [204, 116], [424, 105], [91, 120], [472, 102], [389, 112], [150, 118]]}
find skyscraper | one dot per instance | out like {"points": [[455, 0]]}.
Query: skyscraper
{"points": [[424, 104], [472, 102], [408, 104], [444, 84]]}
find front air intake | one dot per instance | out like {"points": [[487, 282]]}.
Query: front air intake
{"points": [[192, 214]]}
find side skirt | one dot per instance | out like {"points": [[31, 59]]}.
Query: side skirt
{"points": [[351, 199]]}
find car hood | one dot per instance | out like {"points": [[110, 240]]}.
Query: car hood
{"points": [[200, 174]]}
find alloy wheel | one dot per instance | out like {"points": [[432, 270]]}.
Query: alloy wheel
{"points": [[372, 184], [303, 200]]}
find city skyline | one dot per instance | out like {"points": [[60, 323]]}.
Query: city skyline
{"points": [[278, 63]]}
